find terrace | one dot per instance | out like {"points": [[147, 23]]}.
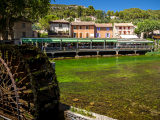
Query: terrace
{"points": [[64, 45]]}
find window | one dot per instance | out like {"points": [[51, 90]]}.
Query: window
{"points": [[128, 28], [60, 25], [129, 32], [87, 35], [107, 35], [120, 27], [124, 32], [74, 35], [80, 27], [97, 35], [120, 32], [124, 28], [98, 28], [87, 27], [107, 28], [23, 34], [80, 35], [23, 25], [75, 27]]}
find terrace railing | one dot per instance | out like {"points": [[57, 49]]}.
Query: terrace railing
{"points": [[108, 47]]}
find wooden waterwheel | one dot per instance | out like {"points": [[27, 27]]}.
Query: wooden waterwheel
{"points": [[28, 85]]}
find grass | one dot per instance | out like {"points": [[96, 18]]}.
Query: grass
{"points": [[125, 88]]}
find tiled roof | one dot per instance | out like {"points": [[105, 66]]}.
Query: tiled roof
{"points": [[123, 24], [82, 23], [104, 25]]}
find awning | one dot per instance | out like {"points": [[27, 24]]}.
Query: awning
{"points": [[69, 40], [65, 40], [128, 36], [111, 40], [40, 40], [98, 40], [132, 41], [83, 40]]}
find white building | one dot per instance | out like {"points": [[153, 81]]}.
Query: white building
{"points": [[59, 28], [124, 30]]}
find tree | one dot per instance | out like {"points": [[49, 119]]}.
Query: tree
{"points": [[14, 10], [90, 11], [100, 14], [116, 13], [109, 13], [79, 11], [44, 22], [147, 26]]}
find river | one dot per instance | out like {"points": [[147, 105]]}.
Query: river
{"points": [[125, 88]]}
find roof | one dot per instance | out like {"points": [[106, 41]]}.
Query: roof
{"points": [[123, 24], [128, 36], [82, 23], [59, 21], [104, 25], [134, 41]]}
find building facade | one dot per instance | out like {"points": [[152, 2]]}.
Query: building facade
{"points": [[123, 29], [104, 30], [59, 28], [83, 30], [21, 29]]}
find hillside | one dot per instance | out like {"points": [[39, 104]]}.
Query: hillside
{"points": [[127, 15], [70, 12]]}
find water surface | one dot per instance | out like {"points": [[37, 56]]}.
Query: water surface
{"points": [[126, 88]]}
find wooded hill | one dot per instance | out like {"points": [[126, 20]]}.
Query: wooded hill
{"points": [[146, 20], [128, 15]]}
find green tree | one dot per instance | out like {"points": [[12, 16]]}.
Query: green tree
{"points": [[44, 22], [14, 10], [100, 14], [147, 26], [117, 13], [109, 13], [79, 11], [90, 11]]}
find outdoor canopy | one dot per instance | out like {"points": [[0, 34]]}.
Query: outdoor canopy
{"points": [[65, 40]]}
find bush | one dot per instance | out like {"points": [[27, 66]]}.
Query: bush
{"points": [[153, 53]]}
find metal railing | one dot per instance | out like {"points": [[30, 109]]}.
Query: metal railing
{"points": [[74, 48]]}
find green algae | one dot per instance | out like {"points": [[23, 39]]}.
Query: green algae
{"points": [[125, 88]]}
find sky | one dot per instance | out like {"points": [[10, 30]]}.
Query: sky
{"points": [[114, 5]]}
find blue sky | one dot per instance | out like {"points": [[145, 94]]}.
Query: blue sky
{"points": [[114, 4]]}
